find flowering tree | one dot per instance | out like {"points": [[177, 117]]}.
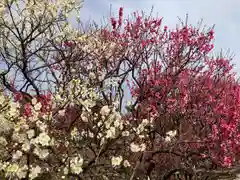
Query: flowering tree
{"points": [[32, 34], [183, 117]]}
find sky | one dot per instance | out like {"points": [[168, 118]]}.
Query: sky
{"points": [[223, 14]]}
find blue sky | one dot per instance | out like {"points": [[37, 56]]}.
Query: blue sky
{"points": [[224, 14]]}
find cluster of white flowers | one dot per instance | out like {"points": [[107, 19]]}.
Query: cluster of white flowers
{"points": [[36, 134], [41, 153], [113, 122], [92, 76], [3, 141], [22, 138], [126, 163], [76, 164], [136, 148], [9, 111], [14, 169], [84, 116], [43, 139], [6, 125], [74, 133], [105, 111], [37, 105], [17, 155], [116, 161], [170, 135], [34, 172], [141, 127]]}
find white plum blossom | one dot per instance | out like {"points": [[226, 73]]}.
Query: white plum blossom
{"points": [[12, 168], [19, 137], [6, 125], [91, 135], [136, 148], [58, 97], [108, 123], [76, 164], [143, 147], [92, 75], [31, 133], [172, 133], [73, 70], [99, 123], [145, 122], [34, 172], [15, 169], [61, 112], [111, 133], [116, 161], [118, 122], [129, 103], [43, 139], [167, 139], [65, 171], [41, 153], [2, 99], [3, 141], [74, 133], [13, 109], [105, 111], [126, 163], [84, 116], [38, 106], [102, 141], [34, 101], [42, 126], [22, 172], [26, 146], [17, 155]]}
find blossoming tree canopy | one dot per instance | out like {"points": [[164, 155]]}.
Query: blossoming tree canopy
{"points": [[185, 111], [178, 80], [182, 82]]}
